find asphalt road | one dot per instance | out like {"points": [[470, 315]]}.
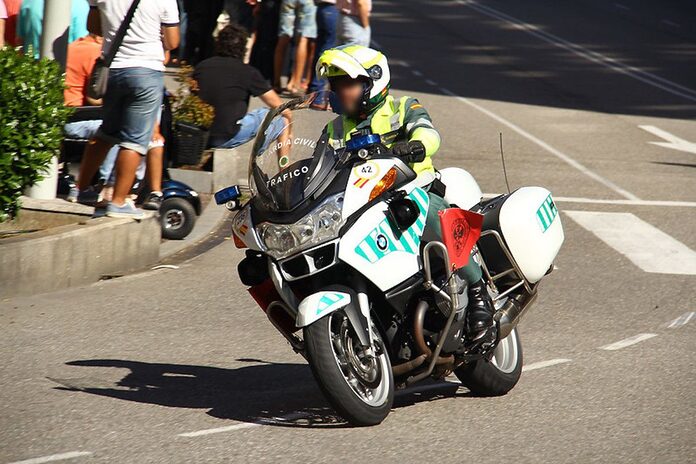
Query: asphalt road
{"points": [[179, 365]]}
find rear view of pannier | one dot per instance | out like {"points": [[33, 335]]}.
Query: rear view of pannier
{"points": [[528, 224]]}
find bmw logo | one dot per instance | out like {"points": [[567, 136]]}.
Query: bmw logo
{"points": [[381, 242]]}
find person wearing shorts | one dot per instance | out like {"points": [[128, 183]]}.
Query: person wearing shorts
{"points": [[297, 19], [354, 22], [134, 93]]}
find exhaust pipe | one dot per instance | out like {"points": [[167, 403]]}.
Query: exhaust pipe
{"points": [[510, 314], [419, 338]]}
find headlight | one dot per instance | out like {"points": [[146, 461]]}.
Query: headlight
{"points": [[322, 224]]}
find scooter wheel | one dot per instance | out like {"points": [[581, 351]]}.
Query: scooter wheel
{"points": [[177, 218]]}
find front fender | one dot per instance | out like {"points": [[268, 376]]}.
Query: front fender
{"points": [[320, 304], [329, 300]]}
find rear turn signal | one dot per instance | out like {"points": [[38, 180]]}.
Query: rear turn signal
{"points": [[384, 183]]}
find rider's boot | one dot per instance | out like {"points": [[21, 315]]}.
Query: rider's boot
{"points": [[480, 313]]}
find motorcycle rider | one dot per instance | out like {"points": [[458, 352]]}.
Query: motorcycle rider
{"points": [[360, 79]]}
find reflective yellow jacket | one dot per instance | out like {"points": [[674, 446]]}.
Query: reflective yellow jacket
{"points": [[394, 121]]}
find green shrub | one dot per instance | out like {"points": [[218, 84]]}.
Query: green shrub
{"points": [[32, 116], [187, 106]]}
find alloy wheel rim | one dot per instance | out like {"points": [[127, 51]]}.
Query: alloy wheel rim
{"points": [[505, 356], [367, 377]]}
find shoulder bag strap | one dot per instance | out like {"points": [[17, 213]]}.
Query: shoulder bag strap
{"points": [[120, 34]]}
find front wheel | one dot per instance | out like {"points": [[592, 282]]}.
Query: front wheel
{"points": [[358, 386], [497, 376]]}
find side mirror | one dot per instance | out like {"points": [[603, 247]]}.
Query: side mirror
{"points": [[403, 212]]}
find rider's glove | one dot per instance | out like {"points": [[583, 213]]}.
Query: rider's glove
{"points": [[411, 152]]}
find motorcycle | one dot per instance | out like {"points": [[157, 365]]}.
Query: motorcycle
{"points": [[336, 258]]}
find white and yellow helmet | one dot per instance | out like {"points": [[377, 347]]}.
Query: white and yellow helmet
{"points": [[358, 62]]}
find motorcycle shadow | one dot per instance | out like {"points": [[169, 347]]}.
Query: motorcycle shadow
{"points": [[276, 394]]}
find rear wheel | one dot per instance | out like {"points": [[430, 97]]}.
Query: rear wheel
{"points": [[359, 386], [497, 376]]}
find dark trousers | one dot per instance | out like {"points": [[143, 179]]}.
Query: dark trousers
{"points": [[327, 15], [266, 37], [202, 18]]}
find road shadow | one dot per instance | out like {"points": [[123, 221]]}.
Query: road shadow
{"points": [[480, 56], [276, 394]]}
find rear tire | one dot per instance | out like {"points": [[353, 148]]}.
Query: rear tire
{"points": [[497, 376], [332, 368]]}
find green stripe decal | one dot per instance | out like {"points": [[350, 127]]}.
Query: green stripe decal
{"points": [[546, 213], [403, 243]]}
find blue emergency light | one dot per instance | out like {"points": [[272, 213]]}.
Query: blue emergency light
{"points": [[227, 194], [361, 141]]}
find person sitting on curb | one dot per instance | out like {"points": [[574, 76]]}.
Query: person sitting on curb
{"points": [[226, 83]]}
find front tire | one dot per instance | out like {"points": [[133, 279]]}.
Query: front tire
{"points": [[360, 389], [497, 376]]}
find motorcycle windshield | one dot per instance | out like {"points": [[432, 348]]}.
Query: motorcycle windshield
{"points": [[291, 153]]}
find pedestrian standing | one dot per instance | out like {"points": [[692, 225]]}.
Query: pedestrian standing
{"points": [[3, 20], [354, 23], [266, 19], [12, 7], [202, 18], [297, 19], [134, 93], [30, 24], [327, 18]]}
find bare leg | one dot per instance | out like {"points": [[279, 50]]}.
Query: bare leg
{"points": [[279, 58], [154, 168], [309, 72], [126, 165], [94, 155], [300, 60]]}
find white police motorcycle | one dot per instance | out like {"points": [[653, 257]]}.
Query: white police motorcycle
{"points": [[336, 260]]}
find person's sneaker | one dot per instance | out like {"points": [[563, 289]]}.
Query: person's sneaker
{"points": [[89, 196], [153, 201], [127, 210], [73, 194]]}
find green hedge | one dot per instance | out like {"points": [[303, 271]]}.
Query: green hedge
{"points": [[32, 116]]}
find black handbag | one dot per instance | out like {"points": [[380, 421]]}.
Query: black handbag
{"points": [[99, 79]]}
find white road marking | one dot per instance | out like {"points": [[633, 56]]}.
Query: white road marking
{"points": [[611, 63], [431, 82], [670, 23], [416, 72], [543, 364], [603, 201], [672, 141], [682, 320], [557, 153], [628, 341], [645, 245], [54, 457], [246, 425], [621, 6]]}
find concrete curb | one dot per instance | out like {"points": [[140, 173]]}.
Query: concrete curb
{"points": [[77, 254]]}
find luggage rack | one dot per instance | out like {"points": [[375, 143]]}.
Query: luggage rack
{"points": [[515, 269]]}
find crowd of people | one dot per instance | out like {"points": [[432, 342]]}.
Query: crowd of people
{"points": [[239, 48]]}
